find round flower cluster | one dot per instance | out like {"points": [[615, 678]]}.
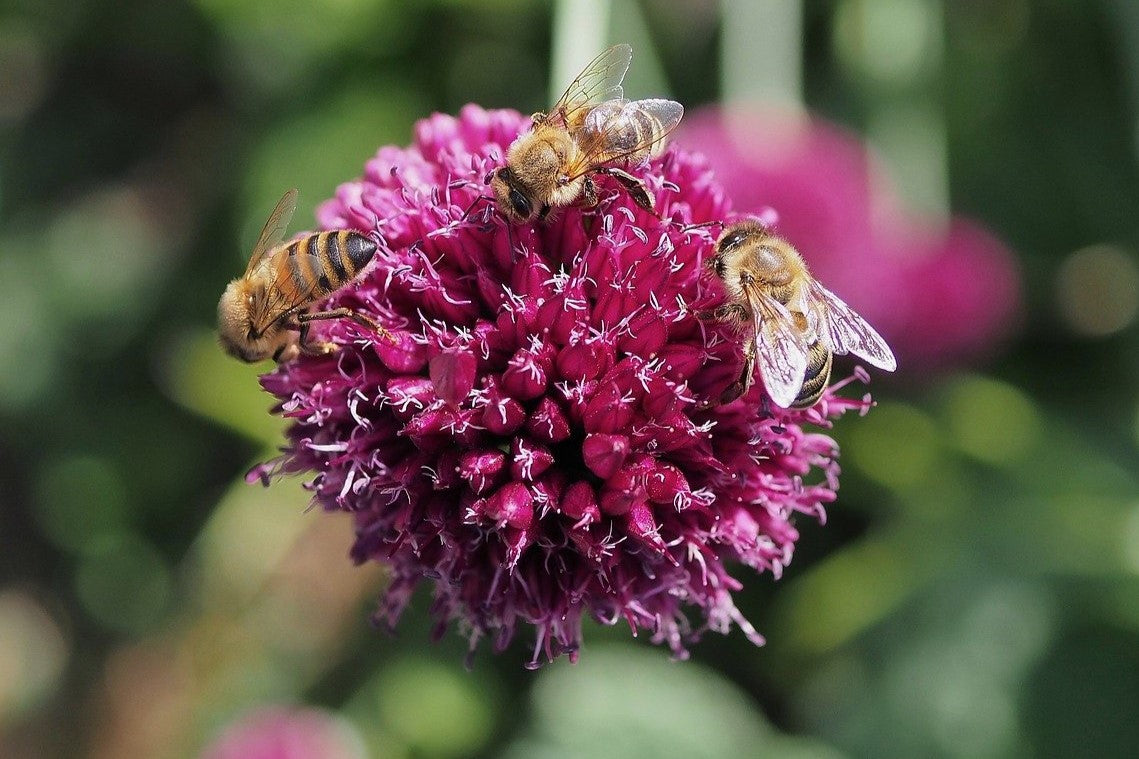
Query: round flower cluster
{"points": [[540, 440]]}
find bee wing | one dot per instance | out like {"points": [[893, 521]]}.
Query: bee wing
{"points": [[274, 230], [290, 289], [618, 130], [844, 331], [780, 348], [598, 82]]}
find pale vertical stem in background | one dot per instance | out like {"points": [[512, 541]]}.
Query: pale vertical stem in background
{"points": [[900, 51], [646, 77], [910, 137], [581, 31], [762, 53]]}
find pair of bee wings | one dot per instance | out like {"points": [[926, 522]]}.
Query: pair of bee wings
{"points": [[274, 230], [607, 140], [782, 347], [283, 295]]}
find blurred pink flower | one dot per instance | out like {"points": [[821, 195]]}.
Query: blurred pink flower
{"points": [[286, 733], [939, 298], [542, 441]]}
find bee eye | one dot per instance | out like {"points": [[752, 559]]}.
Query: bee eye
{"points": [[732, 239], [520, 203]]}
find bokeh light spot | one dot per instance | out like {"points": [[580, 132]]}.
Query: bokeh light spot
{"points": [[282, 732], [896, 446], [971, 717], [624, 701], [33, 652], [891, 42], [1006, 628], [272, 43], [1097, 290], [343, 128], [991, 420], [123, 582], [30, 331], [23, 71], [1136, 424], [106, 254], [845, 595], [79, 498], [1130, 538], [437, 710], [192, 367], [248, 534]]}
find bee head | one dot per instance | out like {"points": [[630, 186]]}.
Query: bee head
{"points": [[238, 335], [511, 196], [729, 239]]}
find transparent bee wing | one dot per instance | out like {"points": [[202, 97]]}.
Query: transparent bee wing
{"points": [[844, 331], [274, 230], [286, 294], [617, 130], [666, 113], [780, 349], [599, 82]]}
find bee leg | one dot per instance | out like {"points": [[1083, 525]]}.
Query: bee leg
{"points": [[700, 225], [589, 193], [475, 202], [743, 384], [304, 345], [287, 352], [342, 313], [635, 187], [544, 212], [729, 312]]}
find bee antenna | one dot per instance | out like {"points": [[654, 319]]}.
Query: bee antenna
{"points": [[475, 202], [690, 227]]}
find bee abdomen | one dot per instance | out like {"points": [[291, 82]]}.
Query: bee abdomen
{"points": [[816, 377], [329, 260], [358, 249], [626, 125]]}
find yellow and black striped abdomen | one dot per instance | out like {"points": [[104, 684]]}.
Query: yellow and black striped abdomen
{"points": [[324, 262], [816, 377]]}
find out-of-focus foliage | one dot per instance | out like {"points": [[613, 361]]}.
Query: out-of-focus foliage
{"points": [[975, 592]]}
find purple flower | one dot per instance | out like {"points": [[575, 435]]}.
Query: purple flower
{"points": [[541, 441], [286, 733]]}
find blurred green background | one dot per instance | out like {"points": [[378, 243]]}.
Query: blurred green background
{"points": [[975, 592]]}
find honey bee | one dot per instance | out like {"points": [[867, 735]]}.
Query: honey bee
{"points": [[793, 324], [260, 310], [590, 130]]}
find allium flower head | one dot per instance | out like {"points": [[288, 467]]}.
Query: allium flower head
{"points": [[541, 441]]}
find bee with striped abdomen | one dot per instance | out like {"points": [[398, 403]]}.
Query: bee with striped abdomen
{"points": [[591, 130], [260, 311], [792, 324]]}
